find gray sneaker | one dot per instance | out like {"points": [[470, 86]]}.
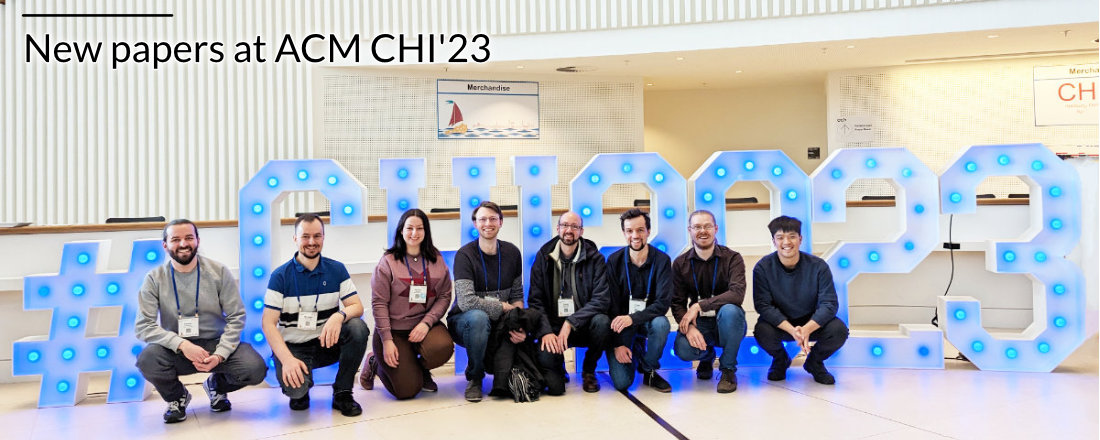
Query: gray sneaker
{"points": [[218, 402], [473, 391], [177, 409]]}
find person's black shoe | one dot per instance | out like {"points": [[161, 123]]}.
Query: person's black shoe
{"points": [[778, 369], [705, 371], [656, 381], [366, 377], [473, 390], [818, 371], [589, 383], [300, 404], [429, 385], [728, 382], [343, 402], [177, 409]]}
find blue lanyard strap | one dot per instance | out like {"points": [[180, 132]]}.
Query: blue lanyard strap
{"points": [[198, 278], [485, 268], [298, 293], [630, 287], [713, 282], [423, 270]]}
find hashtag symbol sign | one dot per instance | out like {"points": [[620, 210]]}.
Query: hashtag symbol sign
{"points": [[68, 352]]}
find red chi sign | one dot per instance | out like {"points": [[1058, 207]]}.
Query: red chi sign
{"points": [[1066, 95]]}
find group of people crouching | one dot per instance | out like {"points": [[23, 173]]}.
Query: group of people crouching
{"points": [[614, 307]]}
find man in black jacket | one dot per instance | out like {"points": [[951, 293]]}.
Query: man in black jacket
{"points": [[640, 280], [569, 287]]}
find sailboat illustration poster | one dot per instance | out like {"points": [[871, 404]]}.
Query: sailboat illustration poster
{"points": [[478, 109]]}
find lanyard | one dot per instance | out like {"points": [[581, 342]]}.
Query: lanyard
{"points": [[485, 268], [298, 293], [423, 270], [198, 278], [630, 287], [713, 282]]}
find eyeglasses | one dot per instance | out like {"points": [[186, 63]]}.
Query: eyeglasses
{"points": [[570, 226], [487, 220], [707, 227]]}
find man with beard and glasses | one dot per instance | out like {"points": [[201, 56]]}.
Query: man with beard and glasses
{"points": [[569, 287], [201, 318], [488, 283], [794, 293], [305, 325], [709, 288], [640, 277]]}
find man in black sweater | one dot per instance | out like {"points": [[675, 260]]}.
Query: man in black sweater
{"points": [[569, 287], [640, 280], [793, 292]]}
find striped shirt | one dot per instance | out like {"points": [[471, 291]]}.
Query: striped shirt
{"points": [[293, 289]]}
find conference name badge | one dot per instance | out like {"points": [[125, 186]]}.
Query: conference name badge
{"points": [[565, 307], [418, 294], [307, 320], [189, 327], [637, 305]]}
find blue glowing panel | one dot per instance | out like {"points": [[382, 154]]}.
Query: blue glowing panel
{"points": [[788, 184], [402, 180], [63, 356], [668, 208], [258, 218], [1058, 327], [534, 175], [915, 188], [474, 177]]}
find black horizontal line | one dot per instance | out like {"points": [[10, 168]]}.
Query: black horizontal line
{"points": [[97, 15]]}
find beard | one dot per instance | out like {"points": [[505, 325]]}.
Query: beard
{"points": [[305, 253], [569, 239], [184, 260], [636, 249]]}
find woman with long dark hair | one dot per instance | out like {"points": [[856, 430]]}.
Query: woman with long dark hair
{"points": [[411, 290]]}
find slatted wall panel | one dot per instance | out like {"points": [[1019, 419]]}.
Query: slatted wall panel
{"points": [[83, 142]]}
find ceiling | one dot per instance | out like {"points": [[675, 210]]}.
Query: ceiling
{"points": [[804, 62]]}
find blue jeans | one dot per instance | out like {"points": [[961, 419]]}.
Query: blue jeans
{"points": [[470, 329], [725, 330], [654, 335]]}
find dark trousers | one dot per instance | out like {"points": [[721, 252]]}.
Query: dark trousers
{"points": [[830, 337], [595, 335], [163, 367], [348, 351], [413, 359]]}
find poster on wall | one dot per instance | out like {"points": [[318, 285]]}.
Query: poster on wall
{"points": [[1066, 95], [477, 109]]}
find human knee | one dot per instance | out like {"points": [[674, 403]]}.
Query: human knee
{"points": [[357, 331], [659, 325], [476, 323], [152, 357], [731, 314]]}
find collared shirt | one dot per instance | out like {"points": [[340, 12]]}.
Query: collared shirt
{"points": [[293, 289], [702, 285]]}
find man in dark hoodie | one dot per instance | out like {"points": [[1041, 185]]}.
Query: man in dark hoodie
{"points": [[569, 287]]}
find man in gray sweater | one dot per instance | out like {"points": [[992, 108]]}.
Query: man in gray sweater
{"points": [[201, 318]]}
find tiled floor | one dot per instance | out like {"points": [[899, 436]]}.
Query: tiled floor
{"points": [[957, 402]]}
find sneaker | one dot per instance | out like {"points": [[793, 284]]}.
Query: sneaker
{"points": [[473, 390], [347, 405], [778, 369], [728, 382], [705, 371], [820, 374], [218, 401], [656, 381], [300, 404], [589, 383], [366, 378], [429, 384], [177, 409]]}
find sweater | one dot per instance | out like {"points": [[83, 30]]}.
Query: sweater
{"points": [[780, 294], [390, 294]]}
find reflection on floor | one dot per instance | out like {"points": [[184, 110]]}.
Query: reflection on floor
{"points": [[958, 402]]}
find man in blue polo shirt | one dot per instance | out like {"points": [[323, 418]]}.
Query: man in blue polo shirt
{"points": [[305, 326]]}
